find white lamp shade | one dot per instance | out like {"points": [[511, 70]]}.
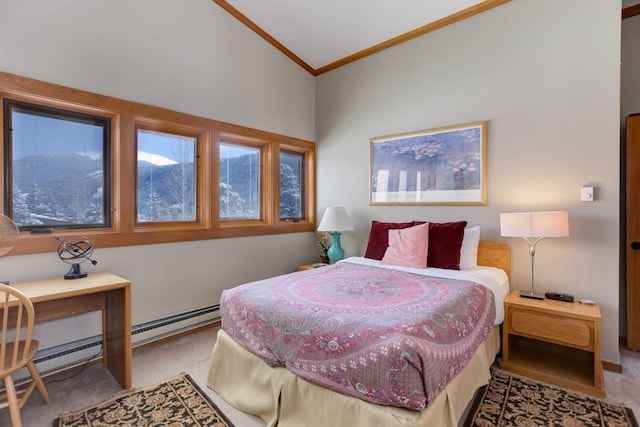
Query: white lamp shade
{"points": [[335, 219], [535, 224]]}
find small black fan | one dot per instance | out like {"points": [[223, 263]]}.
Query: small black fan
{"points": [[75, 250]]}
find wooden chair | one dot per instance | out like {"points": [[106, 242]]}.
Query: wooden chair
{"points": [[17, 350]]}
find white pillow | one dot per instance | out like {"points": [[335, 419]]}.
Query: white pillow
{"points": [[469, 248]]}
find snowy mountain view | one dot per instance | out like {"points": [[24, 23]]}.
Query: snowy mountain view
{"points": [[69, 189]]}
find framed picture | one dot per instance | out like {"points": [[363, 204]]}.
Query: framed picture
{"points": [[443, 166]]}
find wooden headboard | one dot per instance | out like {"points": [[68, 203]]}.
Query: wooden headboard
{"points": [[495, 254]]}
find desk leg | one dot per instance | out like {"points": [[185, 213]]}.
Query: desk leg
{"points": [[117, 334]]}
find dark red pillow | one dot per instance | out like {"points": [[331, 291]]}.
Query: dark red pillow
{"points": [[379, 237], [445, 241]]}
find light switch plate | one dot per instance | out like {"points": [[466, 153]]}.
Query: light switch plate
{"points": [[586, 194]]}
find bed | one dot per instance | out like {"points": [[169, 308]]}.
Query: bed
{"points": [[312, 392]]}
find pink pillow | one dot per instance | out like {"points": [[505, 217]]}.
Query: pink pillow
{"points": [[379, 237], [445, 241], [408, 247]]}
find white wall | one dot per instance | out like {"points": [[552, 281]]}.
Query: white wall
{"points": [[545, 74], [188, 56], [191, 57]]}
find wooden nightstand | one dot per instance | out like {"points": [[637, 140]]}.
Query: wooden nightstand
{"points": [[311, 266], [553, 341]]}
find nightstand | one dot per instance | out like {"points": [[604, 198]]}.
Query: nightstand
{"points": [[553, 341], [311, 266]]}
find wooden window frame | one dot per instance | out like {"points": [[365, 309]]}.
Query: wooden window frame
{"points": [[303, 190], [264, 185], [60, 114], [126, 117], [203, 189]]}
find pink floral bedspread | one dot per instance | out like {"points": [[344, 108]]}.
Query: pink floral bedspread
{"points": [[388, 337]]}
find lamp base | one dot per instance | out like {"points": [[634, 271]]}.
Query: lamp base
{"points": [[335, 251], [532, 295]]}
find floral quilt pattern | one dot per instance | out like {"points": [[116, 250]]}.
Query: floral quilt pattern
{"points": [[388, 337]]}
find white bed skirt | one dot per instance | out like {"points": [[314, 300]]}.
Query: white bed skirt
{"points": [[283, 399]]}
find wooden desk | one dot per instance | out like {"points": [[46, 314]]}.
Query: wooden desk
{"points": [[58, 298]]}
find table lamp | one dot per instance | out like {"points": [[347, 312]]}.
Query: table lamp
{"points": [[533, 227], [335, 221]]}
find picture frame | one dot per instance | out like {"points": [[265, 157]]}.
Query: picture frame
{"points": [[441, 166]]}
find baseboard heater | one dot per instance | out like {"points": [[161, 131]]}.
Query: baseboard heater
{"points": [[64, 356]]}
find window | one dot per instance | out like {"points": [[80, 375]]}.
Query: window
{"points": [[57, 164], [166, 177], [239, 182], [291, 185], [123, 173]]}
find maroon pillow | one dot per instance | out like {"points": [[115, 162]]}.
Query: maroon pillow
{"points": [[445, 241], [379, 237]]}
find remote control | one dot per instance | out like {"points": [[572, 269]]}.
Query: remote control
{"points": [[559, 296]]}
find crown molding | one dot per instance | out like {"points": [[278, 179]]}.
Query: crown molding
{"points": [[448, 20], [630, 11], [262, 33]]}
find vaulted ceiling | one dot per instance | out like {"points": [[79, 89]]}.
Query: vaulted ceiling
{"points": [[321, 35], [324, 34]]}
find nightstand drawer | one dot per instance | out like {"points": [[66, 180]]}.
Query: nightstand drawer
{"points": [[561, 330]]}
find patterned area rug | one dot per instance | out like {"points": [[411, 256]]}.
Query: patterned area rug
{"points": [[512, 400], [176, 402]]}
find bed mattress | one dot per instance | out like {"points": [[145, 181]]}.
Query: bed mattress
{"points": [[282, 399]]}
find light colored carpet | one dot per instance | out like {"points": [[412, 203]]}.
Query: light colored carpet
{"points": [[191, 354]]}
